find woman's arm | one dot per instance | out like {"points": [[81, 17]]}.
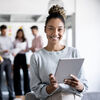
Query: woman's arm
{"points": [[53, 86], [37, 86], [78, 84]]}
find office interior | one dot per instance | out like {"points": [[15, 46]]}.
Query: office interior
{"points": [[82, 30]]}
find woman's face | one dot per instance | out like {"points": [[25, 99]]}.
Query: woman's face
{"points": [[54, 30], [20, 34]]}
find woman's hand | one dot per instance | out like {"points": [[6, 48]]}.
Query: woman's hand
{"points": [[25, 50], [53, 84], [32, 49], [74, 82]]}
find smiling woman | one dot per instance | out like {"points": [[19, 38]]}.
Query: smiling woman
{"points": [[54, 30], [44, 63], [55, 26]]}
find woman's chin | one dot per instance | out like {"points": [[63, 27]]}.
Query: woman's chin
{"points": [[54, 41]]}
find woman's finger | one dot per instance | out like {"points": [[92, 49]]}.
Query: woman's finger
{"points": [[52, 79], [71, 82], [50, 75], [74, 77]]}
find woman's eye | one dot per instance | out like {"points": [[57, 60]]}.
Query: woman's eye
{"points": [[50, 28], [59, 29]]}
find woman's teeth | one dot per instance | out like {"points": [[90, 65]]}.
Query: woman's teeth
{"points": [[53, 37]]}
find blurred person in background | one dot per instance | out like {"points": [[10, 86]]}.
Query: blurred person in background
{"points": [[20, 49], [6, 46], [37, 42]]}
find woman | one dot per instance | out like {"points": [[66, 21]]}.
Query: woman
{"points": [[44, 63], [21, 46]]}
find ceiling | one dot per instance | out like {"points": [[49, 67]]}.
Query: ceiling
{"points": [[31, 10]]}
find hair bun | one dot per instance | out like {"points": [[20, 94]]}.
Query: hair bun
{"points": [[56, 9]]}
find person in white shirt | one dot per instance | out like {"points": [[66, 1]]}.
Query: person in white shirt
{"points": [[21, 46], [6, 46]]}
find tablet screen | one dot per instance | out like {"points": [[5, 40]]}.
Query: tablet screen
{"points": [[66, 67]]}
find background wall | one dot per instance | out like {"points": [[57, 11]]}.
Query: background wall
{"points": [[88, 39], [31, 6]]}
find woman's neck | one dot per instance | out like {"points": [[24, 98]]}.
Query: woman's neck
{"points": [[56, 47]]}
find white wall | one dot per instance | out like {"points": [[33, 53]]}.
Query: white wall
{"points": [[22, 6], [88, 39], [31, 6]]}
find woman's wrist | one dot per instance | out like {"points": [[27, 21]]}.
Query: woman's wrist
{"points": [[80, 90], [50, 89]]}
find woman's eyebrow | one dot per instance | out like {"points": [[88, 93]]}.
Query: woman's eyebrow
{"points": [[50, 26], [54, 27], [60, 26]]}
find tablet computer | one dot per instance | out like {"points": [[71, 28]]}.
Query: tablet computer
{"points": [[66, 67]]}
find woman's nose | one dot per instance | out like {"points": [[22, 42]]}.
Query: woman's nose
{"points": [[55, 32]]}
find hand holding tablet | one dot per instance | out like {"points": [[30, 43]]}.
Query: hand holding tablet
{"points": [[66, 67]]}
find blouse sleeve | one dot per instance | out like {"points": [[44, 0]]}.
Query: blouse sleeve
{"points": [[37, 86], [81, 75]]}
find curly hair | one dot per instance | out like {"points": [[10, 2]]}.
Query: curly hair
{"points": [[56, 12]]}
